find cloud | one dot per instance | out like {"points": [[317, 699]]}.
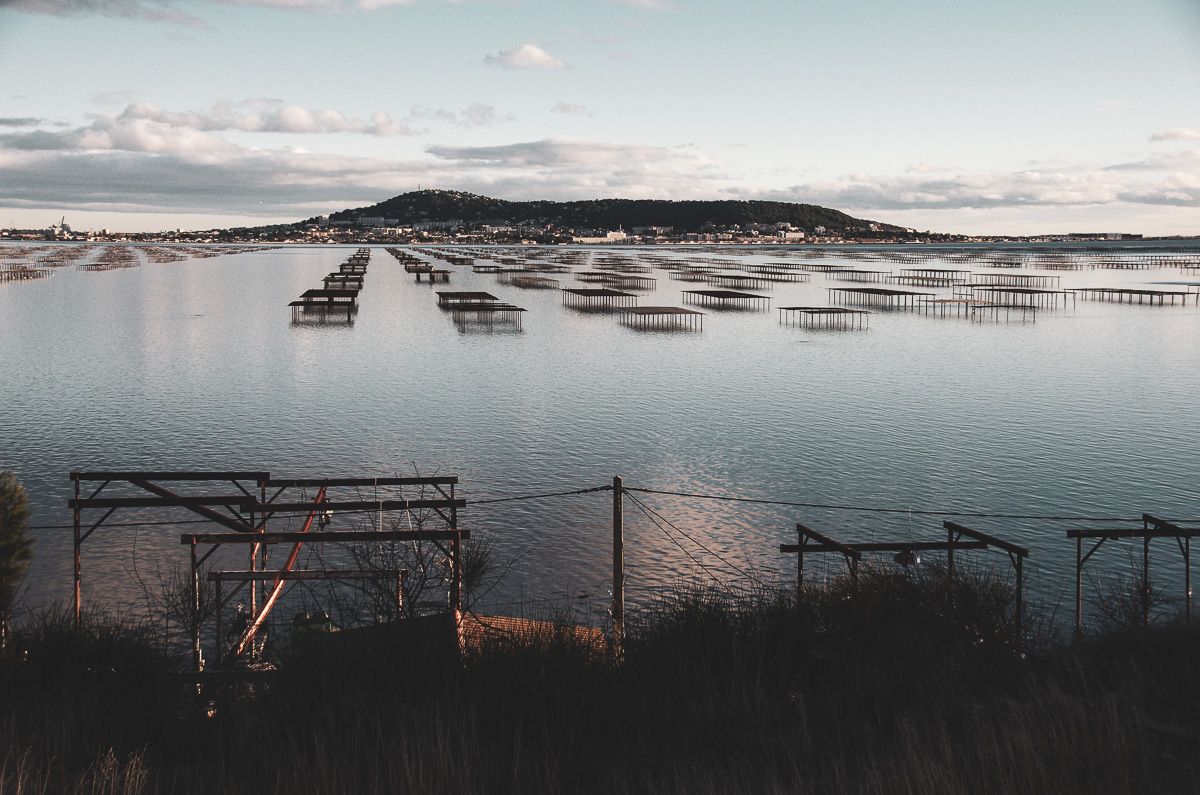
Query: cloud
{"points": [[145, 10], [150, 129], [527, 56], [142, 166], [265, 116], [22, 121], [1159, 181], [1177, 134], [477, 114], [570, 109], [171, 11]]}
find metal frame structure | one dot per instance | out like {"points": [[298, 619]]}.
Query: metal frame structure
{"points": [[1152, 527], [811, 541], [246, 520]]}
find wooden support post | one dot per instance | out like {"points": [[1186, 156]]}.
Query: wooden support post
{"points": [[949, 554], [78, 582], [456, 551], [1078, 587], [220, 642], [618, 573], [1187, 581], [1146, 580], [799, 563], [1019, 562], [399, 595], [195, 609]]}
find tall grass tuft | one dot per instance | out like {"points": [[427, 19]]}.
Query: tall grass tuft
{"points": [[902, 682]]}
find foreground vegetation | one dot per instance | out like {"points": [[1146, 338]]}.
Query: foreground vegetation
{"points": [[906, 683]]}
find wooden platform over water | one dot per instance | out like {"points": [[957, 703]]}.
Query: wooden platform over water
{"points": [[727, 299], [597, 298], [876, 296], [834, 318], [1129, 295], [662, 318]]}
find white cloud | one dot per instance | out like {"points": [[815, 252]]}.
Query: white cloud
{"points": [[146, 10], [477, 114], [1177, 134], [1163, 180], [570, 109], [527, 56], [172, 11], [267, 115]]}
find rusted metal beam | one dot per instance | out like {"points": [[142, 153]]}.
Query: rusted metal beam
{"points": [[248, 636]]}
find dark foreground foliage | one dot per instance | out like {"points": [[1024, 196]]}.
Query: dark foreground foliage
{"points": [[903, 684]]}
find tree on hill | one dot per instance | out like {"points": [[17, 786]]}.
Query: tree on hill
{"points": [[16, 548]]}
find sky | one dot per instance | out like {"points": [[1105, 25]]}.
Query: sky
{"points": [[964, 116]]}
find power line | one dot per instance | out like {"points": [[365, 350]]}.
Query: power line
{"points": [[682, 548], [537, 496], [870, 509], [173, 522], [691, 495], [677, 529]]}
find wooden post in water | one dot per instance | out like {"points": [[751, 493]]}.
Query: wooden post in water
{"points": [[618, 576]]}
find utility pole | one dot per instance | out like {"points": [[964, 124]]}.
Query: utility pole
{"points": [[618, 577]]}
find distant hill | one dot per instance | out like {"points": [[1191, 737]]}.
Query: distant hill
{"points": [[682, 216]]}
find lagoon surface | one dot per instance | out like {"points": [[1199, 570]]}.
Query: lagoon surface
{"points": [[1090, 411]]}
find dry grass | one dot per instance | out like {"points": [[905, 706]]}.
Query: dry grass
{"points": [[906, 684]]}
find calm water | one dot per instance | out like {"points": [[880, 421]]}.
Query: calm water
{"points": [[195, 364]]}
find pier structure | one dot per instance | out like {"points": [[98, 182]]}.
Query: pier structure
{"points": [[687, 273], [1025, 296], [1190, 285], [727, 299], [22, 273], [1015, 280], [1129, 295], [741, 281], [531, 282], [662, 318], [1152, 528], [907, 553], [882, 297], [597, 299], [343, 281], [325, 302], [858, 275], [447, 299], [831, 318], [779, 273], [489, 315], [241, 517]]}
